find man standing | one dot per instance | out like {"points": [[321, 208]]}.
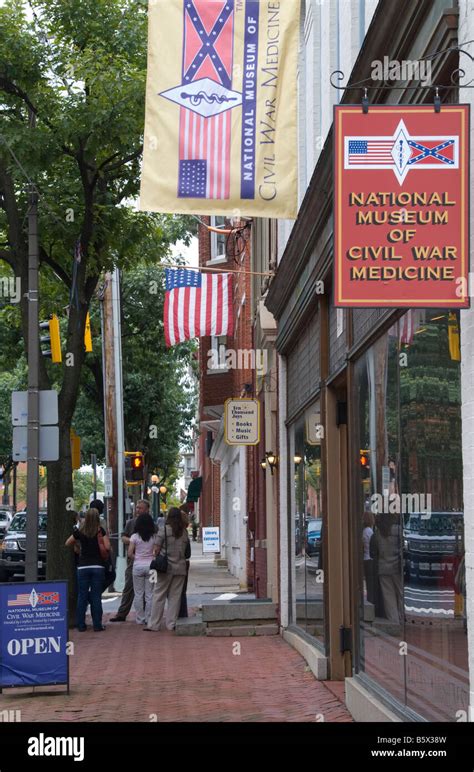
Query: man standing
{"points": [[142, 508]]}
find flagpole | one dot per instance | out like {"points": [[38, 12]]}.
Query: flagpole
{"points": [[218, 270]]}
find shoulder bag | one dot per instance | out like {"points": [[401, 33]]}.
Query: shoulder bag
{"points": [[160, 562], [104, 552]]}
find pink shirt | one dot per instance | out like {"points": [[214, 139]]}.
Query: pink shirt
{"points": [[143, 550]]}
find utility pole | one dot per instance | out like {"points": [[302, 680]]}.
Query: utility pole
{"points": [[109, 398], [117, 327], [33, 425], [113, 405]]}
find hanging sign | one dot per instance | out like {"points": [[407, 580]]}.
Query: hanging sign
{"points": [[220, 125], [242, 421], [401, 206]]}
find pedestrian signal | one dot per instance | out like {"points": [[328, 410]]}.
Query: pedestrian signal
{"points": [[365, 464], [134, 467]]}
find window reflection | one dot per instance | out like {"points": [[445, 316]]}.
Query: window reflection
{"points": [[305, 463], [413, 589]]}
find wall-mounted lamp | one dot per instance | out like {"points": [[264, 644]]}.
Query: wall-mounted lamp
{"points": [[297, 459], [263, 463], [271, 460]]}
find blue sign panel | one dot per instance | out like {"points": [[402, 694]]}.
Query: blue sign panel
{"points": [[33, 634]]}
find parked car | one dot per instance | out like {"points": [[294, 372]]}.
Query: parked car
{"points": [[313, 537], [433, 546], [5, 520], [13, 548]]}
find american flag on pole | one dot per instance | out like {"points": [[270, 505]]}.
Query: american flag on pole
{"points": [[410, 324], [197, 305]]}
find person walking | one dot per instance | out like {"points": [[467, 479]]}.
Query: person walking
{"points": [[90, 570], [142, 508], [385, 549], [141, 551], [183, 608], [173, 539]]}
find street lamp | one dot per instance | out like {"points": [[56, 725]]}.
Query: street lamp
{"points": [[156, 496]]}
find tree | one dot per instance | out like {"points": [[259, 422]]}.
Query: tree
{"points": [[159, 391], [83, 487], [72, 102]]}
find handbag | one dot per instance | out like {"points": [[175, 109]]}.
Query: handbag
{"points": [[104, 552], [160, 562]]}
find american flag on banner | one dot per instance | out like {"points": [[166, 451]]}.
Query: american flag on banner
{"points": [[204, 142], [197, 305], [20, 599]]}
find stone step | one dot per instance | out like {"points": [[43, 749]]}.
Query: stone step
{"points": [[243, 611], [241, 631], [191, 626]]}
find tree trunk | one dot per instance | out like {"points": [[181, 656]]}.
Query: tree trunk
{"points": [[60, 559]]}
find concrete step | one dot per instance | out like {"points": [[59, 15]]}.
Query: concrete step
{"points": [[247, 611], [240, 631], [191, 626]]}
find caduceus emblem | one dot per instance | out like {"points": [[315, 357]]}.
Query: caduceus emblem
{"points": [[196, 99]]}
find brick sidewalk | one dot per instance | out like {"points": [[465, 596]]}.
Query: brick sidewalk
{"points": [[124, 674]]}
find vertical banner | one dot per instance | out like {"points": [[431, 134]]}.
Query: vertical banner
{"points": [[401, 206], [220, 125], [33, 634]]}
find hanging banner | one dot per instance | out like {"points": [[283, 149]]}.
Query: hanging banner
{"points": [[220, 126], [401, 206]]}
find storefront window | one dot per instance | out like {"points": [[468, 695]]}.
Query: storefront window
{"points": [[307, 514], [413, 628]]}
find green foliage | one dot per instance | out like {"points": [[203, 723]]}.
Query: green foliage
{"points": [[78, 67], [83, 487]]}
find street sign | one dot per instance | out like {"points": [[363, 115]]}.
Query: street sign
{"points": [[48, 443], [48, 408], [108, 483], [211, 539], [242, 421]]}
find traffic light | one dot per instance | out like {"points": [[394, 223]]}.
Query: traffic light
{"points": [[88, 335], [51, 341], [134, 467], [365, 464]]}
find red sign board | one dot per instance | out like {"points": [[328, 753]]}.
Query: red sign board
{"points": [[401, 206]]}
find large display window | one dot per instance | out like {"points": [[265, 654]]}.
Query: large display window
{"points": [[413, 634], [307, 513]]}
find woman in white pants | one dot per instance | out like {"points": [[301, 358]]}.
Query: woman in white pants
{"points": [[169, 586], [141, 550]]}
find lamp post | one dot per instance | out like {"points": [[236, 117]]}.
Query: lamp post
{"points": [[155, 506]]}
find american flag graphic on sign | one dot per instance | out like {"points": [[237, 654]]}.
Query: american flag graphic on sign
{"points": [[20, 599], [197, 305], [376, 151], [205, 118]]}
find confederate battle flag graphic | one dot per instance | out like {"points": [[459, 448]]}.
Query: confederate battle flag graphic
{"points": [[206, 99]]}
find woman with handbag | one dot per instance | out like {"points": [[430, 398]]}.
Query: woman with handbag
{"points": [[95, 550], [169, 569]]}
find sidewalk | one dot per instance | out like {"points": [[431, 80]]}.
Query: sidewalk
{"points": [[124, 674]]}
